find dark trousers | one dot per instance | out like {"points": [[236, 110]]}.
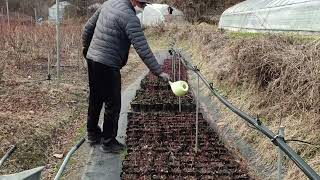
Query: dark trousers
{"points": [[105, 88]]}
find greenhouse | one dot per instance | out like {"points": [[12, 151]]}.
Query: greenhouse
{"points": [[155, 14], [273, 15], [53, 10]]}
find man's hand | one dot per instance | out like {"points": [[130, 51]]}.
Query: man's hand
{"points": [[165, 77], [84, 52]]}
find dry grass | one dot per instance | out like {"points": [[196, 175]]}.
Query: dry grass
{"points": [[38, 116], [273, 76], [286, 70], [26, 47]]}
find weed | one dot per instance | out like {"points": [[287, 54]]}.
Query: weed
{"points": [[124, 154]]}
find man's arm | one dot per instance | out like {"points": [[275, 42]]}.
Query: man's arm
{"points": [[139, 42], [89, 30]]}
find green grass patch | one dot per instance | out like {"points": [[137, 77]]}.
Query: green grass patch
{"points": [[81, 133], [294, 35], [304, 37], [244, 35], [124, 154]]}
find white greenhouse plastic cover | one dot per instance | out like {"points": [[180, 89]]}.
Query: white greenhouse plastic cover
{"points": [[53, 11], [154, 14], [275, 15]]}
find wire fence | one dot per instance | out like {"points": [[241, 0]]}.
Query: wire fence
{"points": [[29, 42], [25, 48]]}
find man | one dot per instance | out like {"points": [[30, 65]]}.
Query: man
{"points": [[170, 10], [169, 16], [107, 38]]}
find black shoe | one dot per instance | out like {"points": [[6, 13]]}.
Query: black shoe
{"points": [[112, 146], [94, 138]]}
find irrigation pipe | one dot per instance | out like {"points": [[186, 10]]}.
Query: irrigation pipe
{"points": [[7, 155], [66, 160]]}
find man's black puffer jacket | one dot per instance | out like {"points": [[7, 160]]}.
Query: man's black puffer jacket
{"points": [[110, 32]]}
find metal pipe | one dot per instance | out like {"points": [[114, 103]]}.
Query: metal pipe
{"points": [[197, 115], [49, 71], [35, 15], [253, 121], [174, 67], [66, 160], [172, 62], [7, 155], [58, 39], [8, 13], [179, 59], [280, 153]]}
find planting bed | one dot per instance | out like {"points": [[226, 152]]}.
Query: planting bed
{"points": [[156, 96], [152, 82], [161, 141], [161, 100]]}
